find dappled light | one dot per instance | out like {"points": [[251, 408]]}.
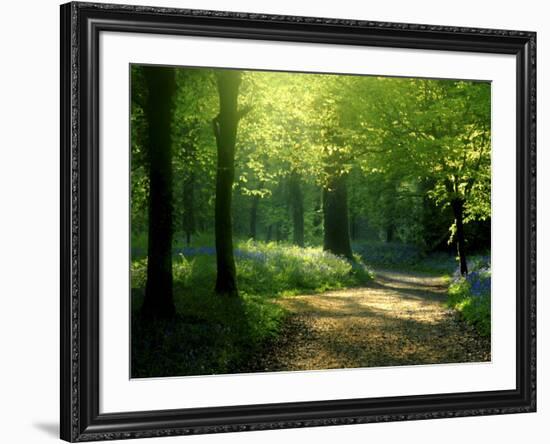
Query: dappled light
{"points": [[379, 326], [299, 221]]}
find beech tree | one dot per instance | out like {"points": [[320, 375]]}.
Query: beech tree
{"points": [[436, 132], [161, 86], [319, 159], [225, 129]]}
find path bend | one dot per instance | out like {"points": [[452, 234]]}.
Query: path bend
{"points": [[399, 319]]}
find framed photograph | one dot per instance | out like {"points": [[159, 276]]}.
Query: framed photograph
{"points": [[277, 221]]}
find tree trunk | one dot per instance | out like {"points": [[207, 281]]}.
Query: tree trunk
{"points": [[159, 301], [458, 210], [336, 218], [254, 214], [254, 217], [278, 233], [390, 230], [225, 130], [317, 215], [189, 207], [297, 206], [353, 226]]}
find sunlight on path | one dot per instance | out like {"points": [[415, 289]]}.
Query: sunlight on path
{"points": [[400, 319]]}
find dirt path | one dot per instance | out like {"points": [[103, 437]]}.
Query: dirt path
{"points": [[399, 319]]}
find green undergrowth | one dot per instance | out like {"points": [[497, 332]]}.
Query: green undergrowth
{"points": [[268, 269], [209, 335], [471, 295], [405, 257], [212, 334]]}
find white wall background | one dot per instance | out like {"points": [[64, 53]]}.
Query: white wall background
{"points": [[29, 239]]}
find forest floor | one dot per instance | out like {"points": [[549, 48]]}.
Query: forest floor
{"points": [[399, 319]]}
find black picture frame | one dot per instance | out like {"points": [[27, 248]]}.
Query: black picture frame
{"points": [[81, 25]]}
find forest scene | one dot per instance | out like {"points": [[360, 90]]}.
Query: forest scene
{"points": [[285, 221]]}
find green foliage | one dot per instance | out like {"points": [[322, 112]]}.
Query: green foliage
{"points": [[210, 335], [471, 296], [266, 269], [405, 148], [475, 310], [138, 272], [389, 254], [220, 335], [408, 147], [274, 269], [396, 255]]}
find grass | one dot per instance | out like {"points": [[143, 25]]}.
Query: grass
{"points": [[216, 335], [471, 295]]}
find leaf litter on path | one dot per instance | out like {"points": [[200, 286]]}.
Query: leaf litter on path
{"points": [[400, 319]]}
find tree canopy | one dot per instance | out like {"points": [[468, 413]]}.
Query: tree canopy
{"points": [[313, 159]]}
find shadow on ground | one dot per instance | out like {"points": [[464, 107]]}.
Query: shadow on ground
{"points": [[400, 319]]}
